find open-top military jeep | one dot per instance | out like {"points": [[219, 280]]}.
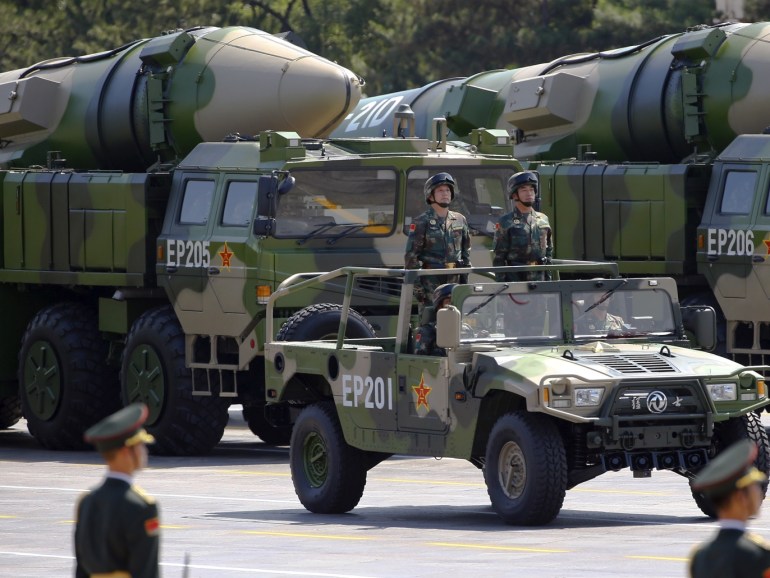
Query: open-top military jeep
{"points": [[543, 385]]}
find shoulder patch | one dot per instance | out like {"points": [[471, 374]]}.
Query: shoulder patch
{"points": [[412, 227], [152, 526]]}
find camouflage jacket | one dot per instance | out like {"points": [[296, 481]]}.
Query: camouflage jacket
{"points": [[425, 340], [587, 323], [433, 242], [522, 238]]}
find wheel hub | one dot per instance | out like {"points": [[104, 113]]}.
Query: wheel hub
{"points": [[513, 470]]}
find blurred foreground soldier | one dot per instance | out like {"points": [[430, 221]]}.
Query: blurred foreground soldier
{"points": [[117, 532], [425, 336], [523, 236], [438, 238], [734, 487]]}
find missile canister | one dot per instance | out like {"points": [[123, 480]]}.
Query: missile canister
{"points": [[155, 99], [663, 100]]}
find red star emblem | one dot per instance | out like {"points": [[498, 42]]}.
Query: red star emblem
{"points": [[767, 244], [422, 391], [226, 254]]}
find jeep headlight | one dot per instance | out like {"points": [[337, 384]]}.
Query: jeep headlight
{"points": [[723, 391], [587, 396]]}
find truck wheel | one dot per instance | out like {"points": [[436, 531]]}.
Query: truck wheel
{"points": [[259, 426], [153, 371], [525, 469], [10, 411], [65, 384], [322, 321], [728, 432], [329, 476]]}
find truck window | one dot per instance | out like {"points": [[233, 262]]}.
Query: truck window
{"points": [[239, 203], [738, 195], [330, 203], [481, 197], [196, 204]]}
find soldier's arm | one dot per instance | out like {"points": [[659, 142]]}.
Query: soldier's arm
{"points": [[548, 238], [501, 245], [144, 542], [415, 245]]}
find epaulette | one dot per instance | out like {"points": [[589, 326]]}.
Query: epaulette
{"points": [[142, 494], [758, 540]]}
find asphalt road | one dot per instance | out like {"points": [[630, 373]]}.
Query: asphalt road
{"points": [[234, 513]]}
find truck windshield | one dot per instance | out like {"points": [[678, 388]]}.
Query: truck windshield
{"points": [[355, 203], [505, 315], [480, 194], [623, 314]]}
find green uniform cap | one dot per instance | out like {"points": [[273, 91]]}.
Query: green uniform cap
{"points": [[732, 469], [122, 428]]}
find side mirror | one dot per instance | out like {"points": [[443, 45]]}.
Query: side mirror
{"points": [[701, 321], [448, 327], [268, 191]]}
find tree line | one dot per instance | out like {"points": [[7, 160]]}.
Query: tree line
{"points": [[392, 44]]}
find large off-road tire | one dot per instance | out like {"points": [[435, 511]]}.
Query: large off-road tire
{"points": [[65, 384], [153, 371], [322, 321], [254, 414], [525, 469], [329, 476], [10, 411], [727, 433]]}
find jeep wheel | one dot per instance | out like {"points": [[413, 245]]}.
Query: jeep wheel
{"points": [[153, 371], [10, 411], [65, 384], [259, 426], [322, 321], [329, 476], [525, 469], [728, 432]]}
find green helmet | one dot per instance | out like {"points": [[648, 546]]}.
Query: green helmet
{"points": [[442, 292], [522, 178], [439, 179]]}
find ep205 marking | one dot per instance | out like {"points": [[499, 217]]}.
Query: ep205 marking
{"points": [[187, 253]]}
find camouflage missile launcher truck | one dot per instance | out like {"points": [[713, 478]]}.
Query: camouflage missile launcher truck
{"points": [[652, 156], [542, 384], [120, 287]]}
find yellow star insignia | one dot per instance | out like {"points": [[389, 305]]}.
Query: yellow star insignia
{"points": [[226, 255], [422, 391], [767, 244]]}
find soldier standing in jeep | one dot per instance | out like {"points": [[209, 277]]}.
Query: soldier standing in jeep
{"points": [[438, 238]]}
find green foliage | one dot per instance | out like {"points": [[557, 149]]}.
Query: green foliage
{"points": [[393, 44]]}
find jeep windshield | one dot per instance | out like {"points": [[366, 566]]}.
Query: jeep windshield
{"points": [[623, 313], [499, 314]]}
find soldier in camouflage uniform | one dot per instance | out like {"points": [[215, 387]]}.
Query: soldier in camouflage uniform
{"points": [[117, 531], [438, 238], [425, 336], [733, 486], [523, 236], [592, 316]]}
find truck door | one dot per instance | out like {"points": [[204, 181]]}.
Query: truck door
{"points": [[184, 245], [734, 251], [228, 294], [423, 394]]}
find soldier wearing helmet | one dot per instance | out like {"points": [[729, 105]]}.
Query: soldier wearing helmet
{"points": [[425, 335], [523, 236], [438, 238]]}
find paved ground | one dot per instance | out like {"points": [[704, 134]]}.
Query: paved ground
{"points": [[234, 513]]}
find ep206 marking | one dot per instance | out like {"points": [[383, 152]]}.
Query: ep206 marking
{"points": [[729, 242], [370, 392]]}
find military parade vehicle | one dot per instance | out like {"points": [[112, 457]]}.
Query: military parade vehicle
{"points": [[543, 385], [653, 156], [138, 254]]}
